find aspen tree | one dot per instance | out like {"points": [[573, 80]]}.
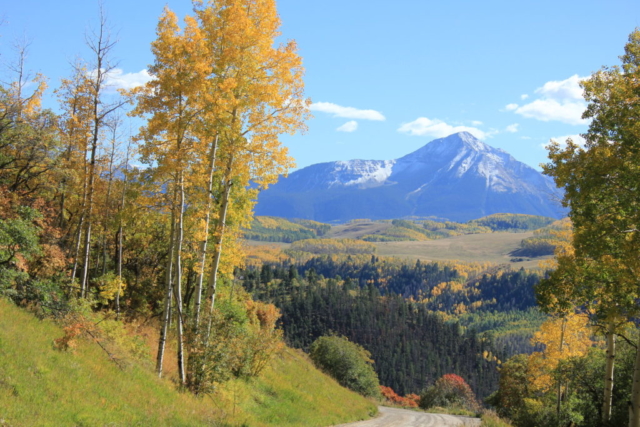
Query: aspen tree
{"points": [[600, 182], [221, 96], [100, 45], [76, 132], [170, 102]]}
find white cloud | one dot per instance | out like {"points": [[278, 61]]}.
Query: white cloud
{"points": [[562, 140], [476, 123], [512, 128], [524, 96], [350, 126], [568, 89], [558, 101], [423, 126], [121, 80], [551, 110], [346, 112]]}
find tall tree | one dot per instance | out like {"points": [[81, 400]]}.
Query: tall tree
{"points": [[600, 182], [221, 96], [171, 103]]}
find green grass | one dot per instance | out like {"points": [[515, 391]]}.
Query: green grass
{"points": [[41, 386], [290, 393]]}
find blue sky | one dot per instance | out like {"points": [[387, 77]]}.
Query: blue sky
{"points": [[385, 77]]}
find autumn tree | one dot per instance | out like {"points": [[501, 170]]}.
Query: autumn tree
{"points": [[220, 97], [600, 183]]}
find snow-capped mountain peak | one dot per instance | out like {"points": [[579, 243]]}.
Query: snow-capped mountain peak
{"points": [[457, 177]]}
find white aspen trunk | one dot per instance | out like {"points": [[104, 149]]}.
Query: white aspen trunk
{"points": [[74, 272], [92, 172], [85, 257], [166, 314], [609, 369], [80, 221], [178, 290], [634, 404], [203, 247], [213, 274], [213, 278], [107, 202]]}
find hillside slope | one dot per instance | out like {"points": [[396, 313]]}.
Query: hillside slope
{"points": [[46, 387]]}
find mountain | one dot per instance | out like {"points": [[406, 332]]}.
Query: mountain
{"points": [[458, 178]]}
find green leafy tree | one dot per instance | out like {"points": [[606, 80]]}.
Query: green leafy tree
{"points": [[600, 183], [347, 362]]}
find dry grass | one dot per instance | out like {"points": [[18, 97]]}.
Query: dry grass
{"points": [[357, 230], [490, 247]]}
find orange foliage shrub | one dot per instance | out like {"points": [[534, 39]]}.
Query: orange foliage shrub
{"points": [[409, 401], [71, 333]]}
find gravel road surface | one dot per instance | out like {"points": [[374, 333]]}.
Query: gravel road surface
{"points": [[394, 417]]}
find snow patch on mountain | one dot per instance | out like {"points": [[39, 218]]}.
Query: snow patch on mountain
{"points": [[361, 173]]}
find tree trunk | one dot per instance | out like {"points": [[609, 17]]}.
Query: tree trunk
{"points": [[608, 377], [166, 315], [107, 203], [203, 248], [178, 284], [83, 206], [121, 230], [215, 265]]}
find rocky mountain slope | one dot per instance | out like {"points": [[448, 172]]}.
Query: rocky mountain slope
{"points": [[458, 178]]}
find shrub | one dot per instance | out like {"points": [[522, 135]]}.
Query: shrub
{"points": [[449, 391], [347, 362], [409, 401]]}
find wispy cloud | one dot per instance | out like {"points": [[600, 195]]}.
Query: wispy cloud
{"points": [[350, 126], [512, 128], [435, 128], [557, 101], [346, 112]]}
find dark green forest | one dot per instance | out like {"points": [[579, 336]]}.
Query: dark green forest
{"points": [[386, 307]]}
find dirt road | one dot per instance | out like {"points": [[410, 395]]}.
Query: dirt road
{"points": [[394, 417]]}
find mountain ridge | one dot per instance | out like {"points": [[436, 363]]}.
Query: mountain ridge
{"points": [[457, 177]]}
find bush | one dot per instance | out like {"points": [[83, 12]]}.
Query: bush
{"points": [[347, 362], [449, 391]]}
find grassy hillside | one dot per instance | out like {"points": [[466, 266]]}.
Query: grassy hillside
{"points": [[490, 247], [46, 387]]}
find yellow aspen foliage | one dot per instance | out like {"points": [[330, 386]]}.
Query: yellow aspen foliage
{"points": [[562, 338], [110, 285]]}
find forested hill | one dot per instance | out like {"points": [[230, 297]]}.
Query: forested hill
{"points": [[401, 313], [411, 346]]}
